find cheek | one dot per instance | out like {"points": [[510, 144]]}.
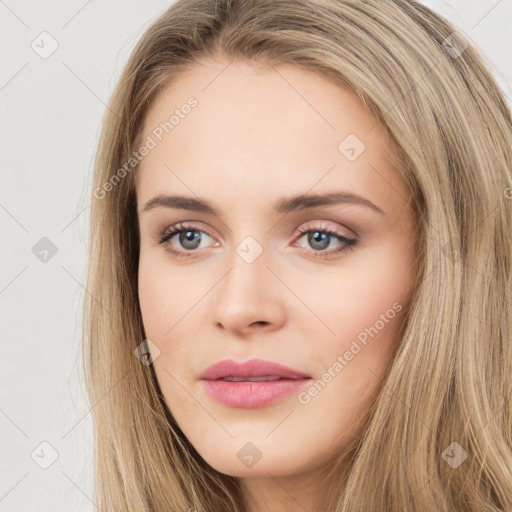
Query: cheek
{"points": [[152, 301], [353, 301], [162, 308], [366, 311], [164, 298], [364, 308], [173, 319]]}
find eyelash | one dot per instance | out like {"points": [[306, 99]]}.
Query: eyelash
{"points": [[170, 232]]}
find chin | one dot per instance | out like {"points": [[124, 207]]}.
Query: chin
{"points": [[242, 464]]}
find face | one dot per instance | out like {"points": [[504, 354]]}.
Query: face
{"points": [[296, 247]]}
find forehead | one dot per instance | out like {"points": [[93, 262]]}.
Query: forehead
{"points": [[255, 127]]}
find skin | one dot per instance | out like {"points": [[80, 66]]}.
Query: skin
{"points": [[259, 134]]}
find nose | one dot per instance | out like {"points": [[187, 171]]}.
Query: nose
{"points": [[248, 298]]}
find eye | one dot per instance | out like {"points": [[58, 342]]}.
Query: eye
{"points": [[318, 237], [189, 237]]}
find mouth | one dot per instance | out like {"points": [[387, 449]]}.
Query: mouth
{"points": [[254, 368], [250, 394], [252, 384], [255, 379]]}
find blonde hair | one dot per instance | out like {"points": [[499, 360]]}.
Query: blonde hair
{"points": [[450, 379]]}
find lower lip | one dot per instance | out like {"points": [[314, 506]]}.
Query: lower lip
{"points": [[250, 395]]}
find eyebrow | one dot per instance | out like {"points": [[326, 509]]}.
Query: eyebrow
{"points": [[281, 206]]}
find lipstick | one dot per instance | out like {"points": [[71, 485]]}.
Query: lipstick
{"points": [[251, 384]]}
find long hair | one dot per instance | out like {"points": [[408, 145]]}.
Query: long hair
{"points": [[447, 393]]}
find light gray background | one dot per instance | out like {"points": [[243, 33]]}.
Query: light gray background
{"points": [[51, 114]]}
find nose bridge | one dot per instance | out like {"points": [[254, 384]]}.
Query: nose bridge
{"points": [[248, 264], [245, 296], [249, 244], [251, 250]]}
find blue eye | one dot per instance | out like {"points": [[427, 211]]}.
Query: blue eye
{"points": [[318, 238], [189, 238]]}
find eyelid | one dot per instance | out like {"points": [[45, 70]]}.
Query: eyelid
{"points": [[319, 225], [348, 242], [185, 225], [163, 237]]}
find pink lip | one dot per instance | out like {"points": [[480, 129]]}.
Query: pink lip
{"points": [[248, 394]]}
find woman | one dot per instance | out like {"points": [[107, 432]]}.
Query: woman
{"points": [[300, 265]]}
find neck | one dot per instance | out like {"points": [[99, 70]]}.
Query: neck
{"points": [[303, 492]]}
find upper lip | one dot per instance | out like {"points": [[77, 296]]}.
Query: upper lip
{"points": [[251, 368]]}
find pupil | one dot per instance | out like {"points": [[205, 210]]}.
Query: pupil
{"points": [[189, 236], [318, 237]]}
